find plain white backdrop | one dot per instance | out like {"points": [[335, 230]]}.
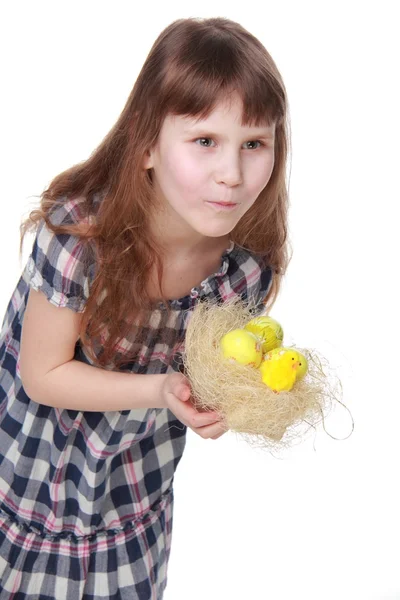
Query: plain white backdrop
{"points": [[322, 520]]}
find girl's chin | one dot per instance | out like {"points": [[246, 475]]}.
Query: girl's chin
{"points": [[214, 232], [214, 227]]}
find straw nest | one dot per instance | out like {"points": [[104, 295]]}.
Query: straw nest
{"points": [[247, 406]]}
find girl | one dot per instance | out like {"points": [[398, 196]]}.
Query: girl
{"points": [[185, 199]]}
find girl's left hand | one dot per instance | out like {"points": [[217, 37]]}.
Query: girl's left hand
{"points": [[176, 391]]}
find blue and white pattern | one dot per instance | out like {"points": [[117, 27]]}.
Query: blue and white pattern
{"points": [[86, 498]]}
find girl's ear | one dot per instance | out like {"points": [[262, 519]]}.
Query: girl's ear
{"points": [[148, 160]]}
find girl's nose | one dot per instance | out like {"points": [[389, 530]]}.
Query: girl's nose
{"points": [[229, 171]]}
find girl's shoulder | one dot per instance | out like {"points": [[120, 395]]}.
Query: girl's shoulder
{"points": [[62, 265], [249, 275], [244, 274], [71, 211]]}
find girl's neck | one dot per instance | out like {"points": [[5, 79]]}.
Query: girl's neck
{"points": [[179, 241], [185, 270], [192, 250]]}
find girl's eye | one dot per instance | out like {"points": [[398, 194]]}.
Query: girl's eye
{"points": [[209, 140], [202, 140], [254, 142]]}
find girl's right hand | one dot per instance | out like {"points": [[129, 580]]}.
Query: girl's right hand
{"points": [[176, 393]]}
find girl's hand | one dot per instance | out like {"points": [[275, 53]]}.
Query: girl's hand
{"points": [[176, 392]]}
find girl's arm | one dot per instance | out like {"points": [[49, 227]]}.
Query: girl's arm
{"points": [[52, 377]]}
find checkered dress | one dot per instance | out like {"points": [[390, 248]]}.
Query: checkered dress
{"points": [[86, 498]]}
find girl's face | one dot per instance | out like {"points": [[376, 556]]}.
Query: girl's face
{"points": [[208, 174]]}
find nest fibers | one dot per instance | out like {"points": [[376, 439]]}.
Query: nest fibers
{"points": [[247, 406]]}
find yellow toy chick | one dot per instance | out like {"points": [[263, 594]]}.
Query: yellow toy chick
{"points": [[282, 367]]}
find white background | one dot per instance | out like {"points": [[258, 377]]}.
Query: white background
{"points": [[321, 521]]}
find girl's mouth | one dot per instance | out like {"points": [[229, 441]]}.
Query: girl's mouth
{"points": [[222, 205]]}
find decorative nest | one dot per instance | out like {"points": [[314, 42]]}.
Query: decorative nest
{"points": [[248, 407]]}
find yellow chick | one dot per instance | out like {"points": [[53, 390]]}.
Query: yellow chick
{"points": [[303, 367], [280, 368]]}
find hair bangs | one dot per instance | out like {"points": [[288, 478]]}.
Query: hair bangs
{"points": [[196, 81]]}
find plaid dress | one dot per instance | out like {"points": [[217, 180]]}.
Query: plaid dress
{"points": [[86, 498]]}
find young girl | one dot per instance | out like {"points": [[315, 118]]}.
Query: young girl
{"points": [[184, 200]]}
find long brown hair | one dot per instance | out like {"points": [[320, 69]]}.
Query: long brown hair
{"points": [[193, 64]]}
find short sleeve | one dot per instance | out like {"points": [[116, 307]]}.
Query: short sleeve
{"points": [[60, 265]]}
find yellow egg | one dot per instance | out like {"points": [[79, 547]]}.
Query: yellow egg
{"points": [[268, 329], [242, 346], [274, 352]]}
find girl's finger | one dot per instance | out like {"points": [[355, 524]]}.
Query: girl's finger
{"points": [[183, 393], [215, 437], [213, 431], [201, 420]]}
